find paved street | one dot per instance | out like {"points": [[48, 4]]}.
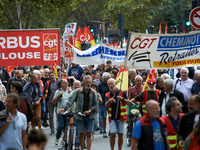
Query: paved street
{"points": [[99, 143]]}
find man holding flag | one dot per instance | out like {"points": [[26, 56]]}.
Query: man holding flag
{"points": [[150, 93], [116, 101]]}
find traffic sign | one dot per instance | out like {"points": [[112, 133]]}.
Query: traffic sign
{"points": [[195, 17]]}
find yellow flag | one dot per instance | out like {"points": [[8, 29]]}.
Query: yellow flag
{"points": [[123, 81]]}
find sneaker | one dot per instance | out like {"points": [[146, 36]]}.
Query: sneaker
{"points": [[56, 141], [76, 148], [52, 133], [105, 135], [85, 145]]}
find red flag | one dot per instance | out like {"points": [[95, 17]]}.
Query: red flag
{"points": [[55, 69], [78, 38], [160, 28], [111, 44], [90, 37], [166, 29], [10, 69], [184, 30], [192, 28], [116, 44]]}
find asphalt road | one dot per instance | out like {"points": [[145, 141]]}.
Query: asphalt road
{"points": [[99, 143]]}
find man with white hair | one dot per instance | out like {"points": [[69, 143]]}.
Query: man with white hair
{"points": [[150, 93], [43, 104], [184, 84], [150, 131], [137, 89], [116, 101], [165, 76], [168, 92], [132, 75], [87, 103], [103, 89], [196, 86]]}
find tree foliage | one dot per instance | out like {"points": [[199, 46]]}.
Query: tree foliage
{"points": [[55, 14]]}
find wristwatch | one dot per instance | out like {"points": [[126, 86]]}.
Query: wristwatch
{"points": [[89, 111]]}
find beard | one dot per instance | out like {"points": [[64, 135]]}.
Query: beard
{"points": [[87, 87], [152, 89], [112, 89]]}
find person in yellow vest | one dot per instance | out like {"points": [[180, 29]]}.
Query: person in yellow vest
{"points": [[147, 94], [116, 101], [172, 120]]}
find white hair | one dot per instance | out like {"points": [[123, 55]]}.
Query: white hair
{"points": [[185, 69], [165, 76], [131, 70], [86, 77], [169, 82], [112, 79], [36, 72], [197, 72], [138, 76], [105, 75], [46, 69]]}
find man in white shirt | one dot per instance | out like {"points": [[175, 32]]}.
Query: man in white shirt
{"points": [[168, 92], [184, 84]]}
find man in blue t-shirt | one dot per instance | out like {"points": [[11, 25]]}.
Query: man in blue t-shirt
{"points": [[150, 131], [76, 71]]}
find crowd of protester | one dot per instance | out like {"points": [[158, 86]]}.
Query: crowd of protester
{"points": [[30, 95]]}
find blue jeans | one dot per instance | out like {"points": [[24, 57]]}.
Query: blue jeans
{"points": [[43, 107], [62, 123]]}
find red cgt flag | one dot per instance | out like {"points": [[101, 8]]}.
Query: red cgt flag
{"points": [[78, 38]]}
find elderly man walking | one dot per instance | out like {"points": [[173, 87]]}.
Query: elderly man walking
{"points": [[87, 104], [117, 112]]}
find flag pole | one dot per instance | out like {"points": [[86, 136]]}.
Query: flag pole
{"points": [[118, 103]]}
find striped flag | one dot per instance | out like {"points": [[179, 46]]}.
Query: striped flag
{"points": [[124, 80]]}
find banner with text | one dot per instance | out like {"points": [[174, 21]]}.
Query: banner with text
{"points": [[95, 55], [29, 47], [163, 51]]}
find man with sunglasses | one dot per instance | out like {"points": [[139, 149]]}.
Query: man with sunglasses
{"points": [[13, 128]]}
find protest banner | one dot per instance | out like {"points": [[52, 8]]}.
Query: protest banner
{"points": [[69, 52], [163, 51], [70, 29], [96, 55], [29, 47]]}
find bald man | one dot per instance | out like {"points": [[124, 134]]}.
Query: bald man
{"points": [[149, 131]]}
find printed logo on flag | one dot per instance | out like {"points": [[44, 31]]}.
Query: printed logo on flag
{"points": [[50, 47]]}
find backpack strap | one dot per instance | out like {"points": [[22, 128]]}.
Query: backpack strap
{"points": [[177, 82]]}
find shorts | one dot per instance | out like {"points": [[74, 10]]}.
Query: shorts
{"points": [[85, 125], [116, 126], [102, 113]]}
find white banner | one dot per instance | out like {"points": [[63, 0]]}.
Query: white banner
{"points": [[96, 55], [163, 50]]}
